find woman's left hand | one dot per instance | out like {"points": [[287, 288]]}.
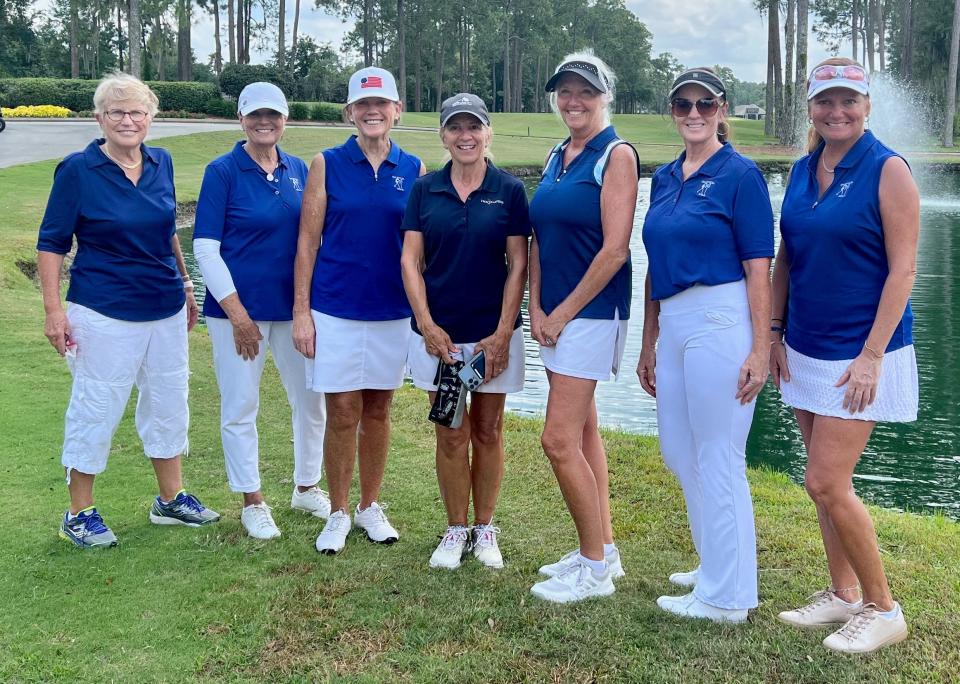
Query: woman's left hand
{"points": [[552, 326], [193, 311], [861, 377], [753, 373], [496, 351]]}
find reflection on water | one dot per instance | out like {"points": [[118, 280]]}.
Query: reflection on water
{"points": [[906, 466]]}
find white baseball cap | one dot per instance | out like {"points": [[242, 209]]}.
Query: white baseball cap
{"points": [[262, 95], [372, 82]]}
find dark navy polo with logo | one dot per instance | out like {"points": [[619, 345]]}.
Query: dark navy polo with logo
{"points": [[357, 274], [565, 213], [257, 222], [465, 247], [125, 267], [698, 231], [838, 258]]}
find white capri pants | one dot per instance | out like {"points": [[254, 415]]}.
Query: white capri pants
{"points": [[111, 356], [239, 382], [705, 336]]}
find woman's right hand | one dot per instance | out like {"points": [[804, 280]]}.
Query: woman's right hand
{"points": [[537, 317], [438, 343], [304, 334], [246, 338], [647, 369], [57, 329], [778, 363]]}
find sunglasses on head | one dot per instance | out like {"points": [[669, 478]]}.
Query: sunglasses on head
{"points": [[707, 106], [828, 72]]}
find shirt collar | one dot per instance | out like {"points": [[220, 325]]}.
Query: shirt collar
{"points": [[442, 182], [597, 142], [245, 161], [851, 158], [95, 156], [357, 156], [711, 167]]}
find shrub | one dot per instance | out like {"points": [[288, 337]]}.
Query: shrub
{"points": [[326, 111], [77, 94], [44, 111], [299, 111], [224, 109], [235, 77]]}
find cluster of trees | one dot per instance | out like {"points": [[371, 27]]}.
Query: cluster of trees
{"points": [[502, 49]]}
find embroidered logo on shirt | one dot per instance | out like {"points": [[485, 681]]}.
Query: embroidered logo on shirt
{"points": [[489, 201], [398, 183], [296, 184], [704, 186], [844, 187]]}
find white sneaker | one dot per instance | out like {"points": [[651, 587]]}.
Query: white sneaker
{"points": [[824, 609], [868, 631], [569, 560], [374, 522], [685, 579], [690, 606], [334, 535], [258, 522], [576, 583], [485, 547], [313, 501], [451, 548]]}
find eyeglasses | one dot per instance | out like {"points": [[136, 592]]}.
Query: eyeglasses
{"points": [[136, 116], [707, 106], [828, 72]]}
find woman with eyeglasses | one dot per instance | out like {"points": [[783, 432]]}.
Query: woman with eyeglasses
{"points": [[841, 345], [245, 240], [582, 216], [709, 239], [130, 307]]}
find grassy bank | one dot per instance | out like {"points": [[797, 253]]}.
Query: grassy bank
{"points": [[214, 605]]}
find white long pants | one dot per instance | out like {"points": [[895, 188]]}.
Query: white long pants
{"points": [[239, 382], [705, 336]]}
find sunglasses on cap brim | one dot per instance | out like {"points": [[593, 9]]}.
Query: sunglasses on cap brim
{"points": [[829, 72]]}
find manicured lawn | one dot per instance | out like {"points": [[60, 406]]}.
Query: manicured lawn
{"points": [[178, 604]]}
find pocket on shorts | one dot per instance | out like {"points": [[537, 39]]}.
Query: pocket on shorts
{"points": [[722, 316], [88, 402]]}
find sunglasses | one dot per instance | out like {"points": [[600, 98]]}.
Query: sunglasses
{"points": [[828, 72], [707, 106]]}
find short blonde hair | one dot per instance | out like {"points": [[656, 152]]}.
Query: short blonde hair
{"points": [[121, 87]]}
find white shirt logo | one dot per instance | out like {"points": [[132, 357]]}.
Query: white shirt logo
{"points": [[296, 184], [491, 201], [844, 187], [704, 186], [398, 183]]}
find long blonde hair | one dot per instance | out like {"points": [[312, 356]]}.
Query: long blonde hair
{"points": [[813, 138]]}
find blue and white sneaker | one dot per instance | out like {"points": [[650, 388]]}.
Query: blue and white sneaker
{"points": [[87, 530], [185, 509]]}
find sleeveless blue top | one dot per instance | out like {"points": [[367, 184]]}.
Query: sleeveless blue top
{"points": [[838, 260], [565, 213]]}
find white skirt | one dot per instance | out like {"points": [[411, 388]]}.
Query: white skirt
{"points": [[423, 366], [356, 355], [587, 348], [811, 387]]}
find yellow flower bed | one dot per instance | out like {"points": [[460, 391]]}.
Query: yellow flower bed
{"points": [[41, 111]]}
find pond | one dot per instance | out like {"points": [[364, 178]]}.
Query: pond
{"points": [[906, 466]]}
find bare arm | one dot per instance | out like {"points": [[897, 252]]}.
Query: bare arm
{"points": [[647, 364], [618, 199], [193, 311], [900, 214], [533, 304], [778, 315], [756, 367], [435, 338], [496, 347], [56, 327], [312, 214]]}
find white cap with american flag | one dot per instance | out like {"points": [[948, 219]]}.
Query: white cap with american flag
{"points": [[372, 82]]}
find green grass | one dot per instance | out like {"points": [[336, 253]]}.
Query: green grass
{"points": [[177, 604]]}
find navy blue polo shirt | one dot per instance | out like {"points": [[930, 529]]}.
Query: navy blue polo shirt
{"points": [[565, 213], [257, 222], [125, 267], [465, 243], [698, 231], [838, 259], [357, 274]]}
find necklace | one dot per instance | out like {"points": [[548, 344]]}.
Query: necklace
{"points": [[120, 163], [824, 165]]}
